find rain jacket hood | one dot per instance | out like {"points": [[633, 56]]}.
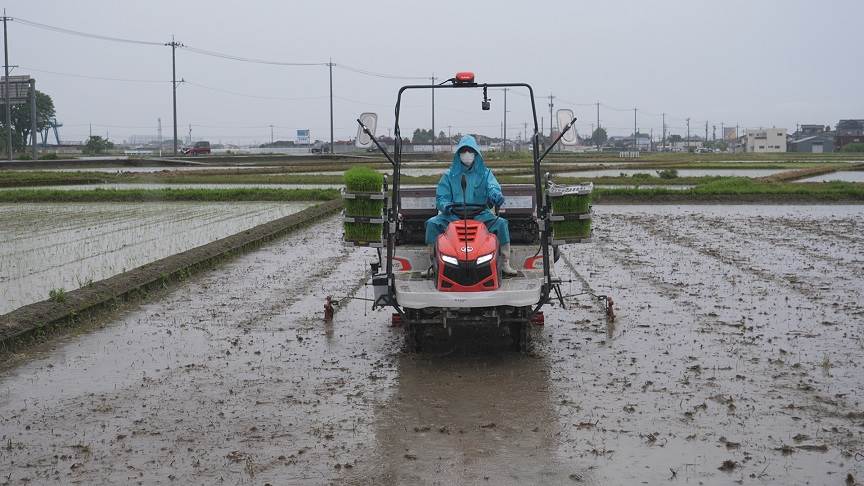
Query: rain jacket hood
{"points": [[457, 167], [482, 186]]}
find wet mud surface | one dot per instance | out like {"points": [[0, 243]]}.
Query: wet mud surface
{"points": [[735, 358]]}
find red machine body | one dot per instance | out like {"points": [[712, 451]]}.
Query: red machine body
{"points": [[467, 258]]}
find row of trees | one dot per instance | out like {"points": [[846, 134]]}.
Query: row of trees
{"points": [[21, 121]]}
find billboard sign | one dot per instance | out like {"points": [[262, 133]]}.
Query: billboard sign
{"points": [[19, 89], [303, 137]]}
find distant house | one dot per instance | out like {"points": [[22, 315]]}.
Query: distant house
{"points": [[810, 130], [643, 141], [848, 131], [816, 144], [765, 140]]}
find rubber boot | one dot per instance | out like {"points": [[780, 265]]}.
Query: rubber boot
{"points": [[506, 269], [429, 272]]}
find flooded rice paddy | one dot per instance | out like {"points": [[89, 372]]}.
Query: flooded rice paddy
{"points": [[146, 169], [681, 172], [50, 246], [843, 175], [90, 187], [734, 359]]}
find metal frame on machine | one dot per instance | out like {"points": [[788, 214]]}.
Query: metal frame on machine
{"points": [[391, 224]]}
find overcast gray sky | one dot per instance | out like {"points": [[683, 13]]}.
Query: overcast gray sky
{"points": [[753, 63]]}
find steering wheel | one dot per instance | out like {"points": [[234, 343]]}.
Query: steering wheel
{"points": [[466, 211]]}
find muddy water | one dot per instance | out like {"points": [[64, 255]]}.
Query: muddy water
{"points": [[143, 169], [737, 339], [847, 176], [149, 186], [50, 246], [681, 172]]}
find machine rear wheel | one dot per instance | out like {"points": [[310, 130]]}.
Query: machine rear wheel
{"points": [[412, 337], [520, 333]]}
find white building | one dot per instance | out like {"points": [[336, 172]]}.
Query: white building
{"points": [[765, 140]]}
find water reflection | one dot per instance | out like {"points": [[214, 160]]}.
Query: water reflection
{"points": [[468, 416]]}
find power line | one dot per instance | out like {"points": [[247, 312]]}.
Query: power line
{"points": [[376, 74], [100, 78], [205, 52], [78, 33], [245, 95]]}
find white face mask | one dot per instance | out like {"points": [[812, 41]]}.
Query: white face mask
{"points": [[467, 158]]}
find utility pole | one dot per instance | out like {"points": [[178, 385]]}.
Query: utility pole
{"points": [[713, 133], [706, 131], [505, 119], [450, 136], [33, 118], [174, 45], [190, 134], [330, 65], [688, 134], [635, 139], [271, 134], [598, 124], [6, 95], [663, 142], [551, 104], [433, 115]]}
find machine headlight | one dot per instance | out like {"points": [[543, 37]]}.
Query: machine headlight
{"points": [[484, 259], [450, 260]]}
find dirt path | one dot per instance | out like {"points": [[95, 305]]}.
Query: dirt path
{"points": [[738, 339]]}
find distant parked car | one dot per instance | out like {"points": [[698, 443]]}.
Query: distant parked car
{"points": [[200, 148], [703, 150]]}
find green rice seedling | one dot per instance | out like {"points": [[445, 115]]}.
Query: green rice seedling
{"points": [[575, 204], [364, 207], [563, 230], [363, 179], [364, 232]]}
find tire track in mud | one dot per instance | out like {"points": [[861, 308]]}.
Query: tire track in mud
{"points": [[799, 277], [702, 247], [700, 376]]}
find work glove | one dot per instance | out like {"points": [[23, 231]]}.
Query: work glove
{"points": [[497, 199]]}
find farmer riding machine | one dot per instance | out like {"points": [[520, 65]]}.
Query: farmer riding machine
{"points": [[466, 285]]}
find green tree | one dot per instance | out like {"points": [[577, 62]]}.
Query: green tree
{"points": [[21, 123], [854, 147], [599, 136], [97, 145], [422, 136]]}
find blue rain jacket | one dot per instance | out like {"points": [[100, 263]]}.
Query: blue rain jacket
{"points": [[482, 187]]}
